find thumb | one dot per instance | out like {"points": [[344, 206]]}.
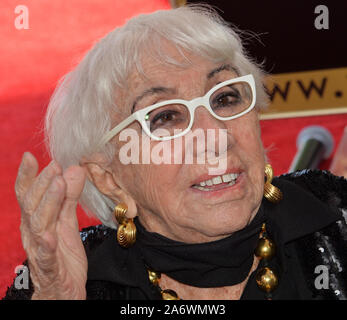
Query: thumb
{"points": [[75, 177]]}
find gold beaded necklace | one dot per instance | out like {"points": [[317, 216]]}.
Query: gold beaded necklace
{"points": [[266, 278]]}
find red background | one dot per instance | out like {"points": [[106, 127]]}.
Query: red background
{"points": [[32, 61]]}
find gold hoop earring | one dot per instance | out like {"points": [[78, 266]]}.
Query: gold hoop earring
{"points": [[271, 193], [126, 233]]}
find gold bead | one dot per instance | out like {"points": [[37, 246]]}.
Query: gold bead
{"points": [[154, 277], [267, 279], [265, 248], [169, 294]]}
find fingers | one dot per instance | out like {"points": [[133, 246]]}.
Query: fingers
{"points": [[47, 197], [26, 174], [40, 186], [45, 216], [57, 201], [74, 177]]}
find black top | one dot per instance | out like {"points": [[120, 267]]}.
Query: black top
{"points": [[307, 226]]}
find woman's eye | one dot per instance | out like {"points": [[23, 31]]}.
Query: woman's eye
{"points": [[163, 118], [226, 99]]}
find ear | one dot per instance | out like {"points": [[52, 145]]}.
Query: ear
{"points": [[100, 173]]}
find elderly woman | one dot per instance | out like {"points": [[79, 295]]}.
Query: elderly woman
{"points": [[173, 229]]}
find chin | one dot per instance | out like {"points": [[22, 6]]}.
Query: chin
{"points": [[219, 224]]}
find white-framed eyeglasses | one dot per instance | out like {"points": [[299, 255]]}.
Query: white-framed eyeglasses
{"points": [[170, 119]]}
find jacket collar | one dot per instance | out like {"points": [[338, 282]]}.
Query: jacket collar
{"points": [[298, 214]]}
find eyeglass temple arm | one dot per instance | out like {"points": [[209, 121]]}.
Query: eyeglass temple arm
{"points": [[107, 137]]}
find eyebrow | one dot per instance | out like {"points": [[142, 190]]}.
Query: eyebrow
{"points": [[156, 90], [149, 92], [223, 67]]}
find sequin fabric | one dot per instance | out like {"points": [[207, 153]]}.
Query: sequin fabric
{"points": [[324, 253]]}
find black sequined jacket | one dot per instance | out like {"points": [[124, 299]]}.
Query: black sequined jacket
{"points": [[316, 199]]}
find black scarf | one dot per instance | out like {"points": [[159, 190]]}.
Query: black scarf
{"points": [[220, 263], [223, 262]]}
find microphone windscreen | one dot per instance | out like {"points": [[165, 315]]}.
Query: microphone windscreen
{"points": [[317, 133]]}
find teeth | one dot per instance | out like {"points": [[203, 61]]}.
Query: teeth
{"points": [[217, 180], [230, 177], [227, 178], [209, 182]]}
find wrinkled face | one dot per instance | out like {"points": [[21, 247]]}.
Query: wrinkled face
{"points": [[167, 195]]}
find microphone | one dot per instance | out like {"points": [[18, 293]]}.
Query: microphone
{"points": [[314, 143]]}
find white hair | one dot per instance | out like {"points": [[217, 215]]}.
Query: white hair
{"points": [[79, 113]]}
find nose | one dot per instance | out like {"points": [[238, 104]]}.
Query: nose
{"points": [[218, 133], [203, 119]]}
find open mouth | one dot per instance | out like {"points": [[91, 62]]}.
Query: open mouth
{"points": [[217, 182]]}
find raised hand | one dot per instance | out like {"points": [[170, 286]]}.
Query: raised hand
{"points": [[49, 228]]}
